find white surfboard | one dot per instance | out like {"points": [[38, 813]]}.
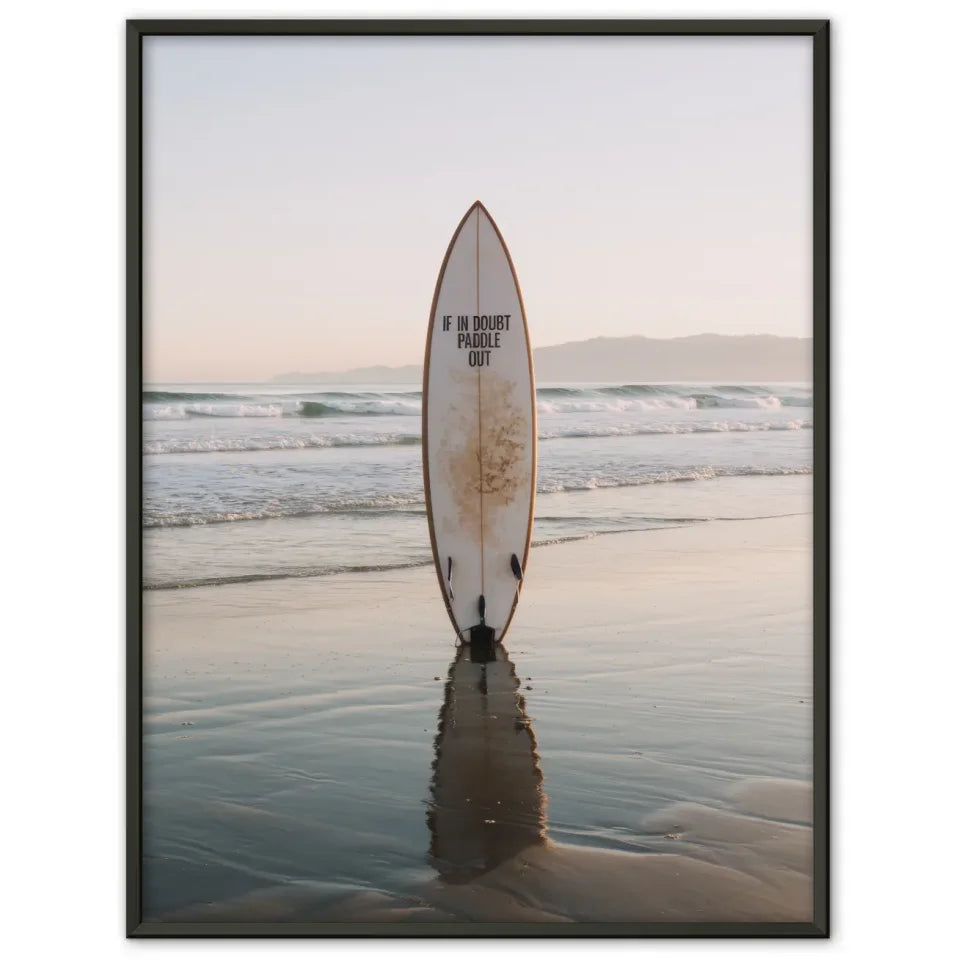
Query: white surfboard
{"points": [[479, 429]]}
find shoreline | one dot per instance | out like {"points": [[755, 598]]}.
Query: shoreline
{"points": [[534, 545], [663, 543]]}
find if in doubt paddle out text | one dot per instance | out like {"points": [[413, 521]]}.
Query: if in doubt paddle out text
{"points": [[478, 334]]}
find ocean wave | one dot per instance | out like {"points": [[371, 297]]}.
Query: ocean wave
{"points": [[599, 404], [680, 475], [293, 441], [378, 407], [350, 394], [601, 401], [173, 405], [395, 503], [185, 411], [709, 400], [287, 442], [180, 396], [402, 502], [705, 395], [685, 427]]}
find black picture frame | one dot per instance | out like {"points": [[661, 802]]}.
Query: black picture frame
{"points": [[819, 32]]}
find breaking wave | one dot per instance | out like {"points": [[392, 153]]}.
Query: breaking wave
{"points": [[287, 442], [175, 405], [303, 441]]}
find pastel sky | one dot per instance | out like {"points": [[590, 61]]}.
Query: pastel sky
{"points": [[299, 193]]}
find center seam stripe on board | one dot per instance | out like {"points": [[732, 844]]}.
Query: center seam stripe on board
{"points": [[480, 424]]}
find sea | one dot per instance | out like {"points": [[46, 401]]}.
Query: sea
{"points": [[245, 482]]}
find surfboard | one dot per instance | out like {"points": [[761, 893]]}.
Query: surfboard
{"points": [[479, 431]]}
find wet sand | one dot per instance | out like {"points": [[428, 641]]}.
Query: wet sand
{"points": [[314, 750]]}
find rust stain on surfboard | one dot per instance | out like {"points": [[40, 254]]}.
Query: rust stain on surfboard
{"points": [[483, 448]]}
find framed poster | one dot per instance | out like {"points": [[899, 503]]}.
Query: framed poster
{"points": [[629, 223]]}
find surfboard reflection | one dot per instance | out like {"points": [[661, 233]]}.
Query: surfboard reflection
{"points": [[487, 793]]}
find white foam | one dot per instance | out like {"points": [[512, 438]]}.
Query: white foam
{"points": [[685, 427], [615, 404], [276, 442], [763, 403], [596, 482]]}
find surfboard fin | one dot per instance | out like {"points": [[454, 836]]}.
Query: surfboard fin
{"points": [[481, 636], [515, 567]]}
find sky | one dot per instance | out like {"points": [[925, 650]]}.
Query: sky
{"points": [[300, 192]]}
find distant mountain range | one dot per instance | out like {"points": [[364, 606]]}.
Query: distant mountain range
{"points": [[706, 356]]}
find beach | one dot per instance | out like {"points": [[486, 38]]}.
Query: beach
{"points": [[312, 743]]}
